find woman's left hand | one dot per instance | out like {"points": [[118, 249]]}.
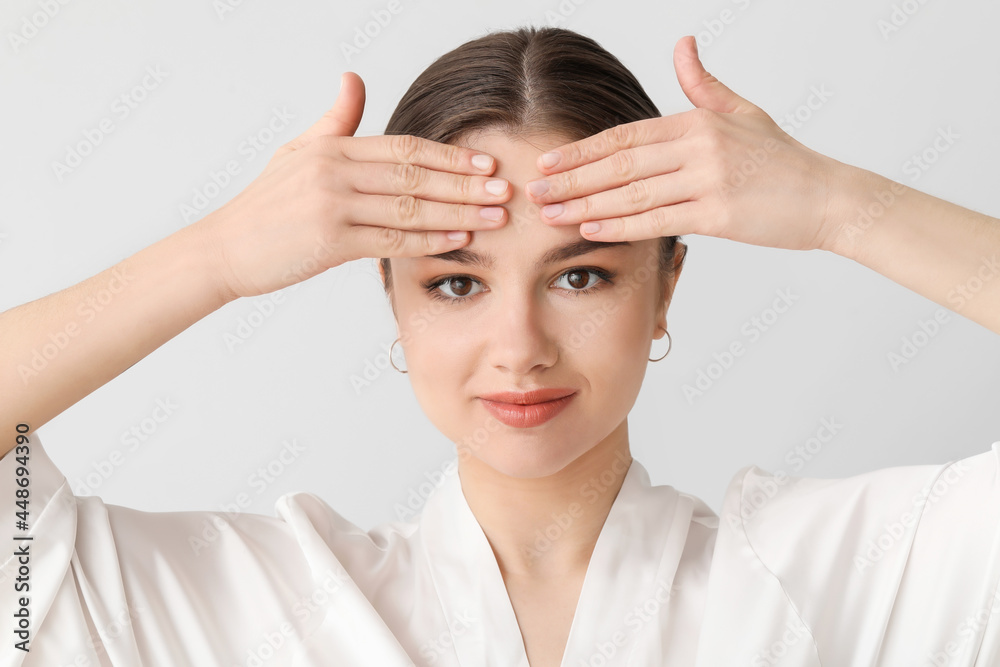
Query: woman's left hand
{"points": [[724, 169]]}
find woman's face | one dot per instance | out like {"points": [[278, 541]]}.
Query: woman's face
{"points": [[522, 307]]}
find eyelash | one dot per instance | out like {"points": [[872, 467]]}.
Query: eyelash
{"points": [[605, 278]]}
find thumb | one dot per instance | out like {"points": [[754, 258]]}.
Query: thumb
{"points": [[342, 119], [703, 89]]}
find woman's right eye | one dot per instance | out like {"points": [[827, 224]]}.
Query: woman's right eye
{"points": [[453, 288]]}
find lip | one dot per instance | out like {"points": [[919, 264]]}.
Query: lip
{"points": [[527, 409], [529, 397]]}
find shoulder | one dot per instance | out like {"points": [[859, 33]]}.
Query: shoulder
{"points": [[800, 563], [312, 520], [859, 555], [777, 507]]}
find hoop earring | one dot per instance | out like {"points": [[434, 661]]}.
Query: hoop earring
{"points": [[390, 356], [670, 345]]}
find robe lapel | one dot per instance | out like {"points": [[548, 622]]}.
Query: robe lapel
{"points": [[627, 589], [469, 585], [625, 594]]}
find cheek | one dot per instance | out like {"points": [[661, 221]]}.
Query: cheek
{"points": [[439, 362], [610, 346]]}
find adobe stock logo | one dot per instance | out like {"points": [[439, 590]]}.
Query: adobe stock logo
{"points": [[87, 310], [753, 329], [120, 109], [29, 29], [250, 147], [381, 18]]}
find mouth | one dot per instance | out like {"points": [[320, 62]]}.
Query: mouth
{"points": [[529, 397], [527, 409]]}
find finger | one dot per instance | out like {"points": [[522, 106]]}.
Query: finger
{"points": [[703, 89], [342, 119], [390, 242], [413, 214], [612, 140], [630, 199], [610, 172], [674, 220], [383, 178], [408, 149]]}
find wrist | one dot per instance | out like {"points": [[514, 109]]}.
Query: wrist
{"points": [[858, 200], [207, 257], [198, 250]]}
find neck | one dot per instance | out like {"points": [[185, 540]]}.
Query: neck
{"points": [[547, 526]]}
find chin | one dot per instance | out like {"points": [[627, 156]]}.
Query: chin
{"points": [[514, 453]]}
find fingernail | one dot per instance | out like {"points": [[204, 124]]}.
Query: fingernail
{"points": [[550, 159], [590, 227], [553, 210], [456, 236], [482, 162], [491, 212], [497, 187], [538, 188]]}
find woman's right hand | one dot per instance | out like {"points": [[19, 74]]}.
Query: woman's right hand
{"points": [[328, 197]]}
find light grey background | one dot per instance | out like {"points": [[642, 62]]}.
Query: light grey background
{"points": [[225, 72]]}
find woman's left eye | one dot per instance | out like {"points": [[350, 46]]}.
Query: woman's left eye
{"points": [[579, 280]]}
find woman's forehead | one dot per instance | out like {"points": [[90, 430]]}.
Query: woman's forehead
{"points": [[525, 240], [532, 249]]}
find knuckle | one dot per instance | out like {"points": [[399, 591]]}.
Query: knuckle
{"points": [[327, 207], [594, 146], [659, 219], [327, 143], [464, 188], [407, 178], [711, 143], [618, 136], [572, 152], [405, 147], [459, 215], [319, 171], [392, 240], [405, 209], [636, 192], [568, 181], [623, 164], [589, 149], [456, 159]]}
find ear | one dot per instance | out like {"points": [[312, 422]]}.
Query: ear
{"points": [[390, 295], [381, 271], [668, 286]]}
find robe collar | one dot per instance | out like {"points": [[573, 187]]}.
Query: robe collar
{"points": [[628, 580]]}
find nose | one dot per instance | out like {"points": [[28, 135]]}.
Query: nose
{"points": [[521, 339]]}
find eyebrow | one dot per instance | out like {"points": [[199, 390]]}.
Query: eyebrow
{"points": [[487, 261]]}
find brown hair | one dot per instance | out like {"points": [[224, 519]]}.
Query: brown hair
{"points": [[522, 82]]}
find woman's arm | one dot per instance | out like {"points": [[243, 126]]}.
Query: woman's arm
{"points": [[324, 199], [726, 169], [60, 348], [947, 253]]}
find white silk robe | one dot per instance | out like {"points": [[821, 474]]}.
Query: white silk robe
{"points": [[897, 567]]}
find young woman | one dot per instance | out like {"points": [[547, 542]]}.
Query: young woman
{"points": [[546, 544]]}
